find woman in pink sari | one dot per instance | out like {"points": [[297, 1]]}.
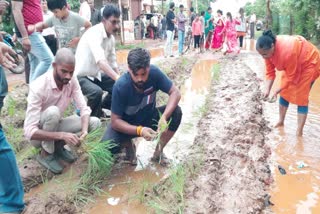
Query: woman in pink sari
{"points": [[231, 34], [217, 39]]}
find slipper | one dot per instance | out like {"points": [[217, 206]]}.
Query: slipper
{"points": [[162, 160]]}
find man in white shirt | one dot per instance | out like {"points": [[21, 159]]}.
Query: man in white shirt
{"points": [[253, 20], [96, 66]]}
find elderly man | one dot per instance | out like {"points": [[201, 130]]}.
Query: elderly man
{"points": [[49, 97], [96, 67]]}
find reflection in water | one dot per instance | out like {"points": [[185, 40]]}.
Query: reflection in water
{"points": [[297, 191], [126, 186]]}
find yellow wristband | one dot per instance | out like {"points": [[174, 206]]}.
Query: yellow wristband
{"points": [[139, 128]]}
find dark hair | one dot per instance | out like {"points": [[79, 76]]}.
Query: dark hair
{"points": [[241, 10], [171, 5], [230, 15], [220, 11], [191, 9], [111, 10], [266, 40], [181, 6], [202, 13], [138, 58], [209, 8], [56, 4]]}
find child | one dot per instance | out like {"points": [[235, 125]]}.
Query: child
{"points": [[66, 23], [196, 31]]}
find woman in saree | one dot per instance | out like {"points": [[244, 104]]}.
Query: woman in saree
{"points": [[299, 61], [231, 34], [218, 37]]}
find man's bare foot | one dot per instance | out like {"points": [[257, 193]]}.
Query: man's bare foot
{"points": [[161, 159], [279, 124]]}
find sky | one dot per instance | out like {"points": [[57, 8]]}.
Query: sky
{"points": [[229, 5]]}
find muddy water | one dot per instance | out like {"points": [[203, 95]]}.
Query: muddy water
{"points": [[154, 52], [299, 190], [125, 191]]}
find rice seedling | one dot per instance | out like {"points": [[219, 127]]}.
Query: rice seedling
{"points": [[100, 161]]}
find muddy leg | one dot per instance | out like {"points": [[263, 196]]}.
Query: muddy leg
{"points": [[164, 139], [282, 115], [283, 107], [302, 117], [130, 152]]}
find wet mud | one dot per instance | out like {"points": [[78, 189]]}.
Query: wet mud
{"points": [[235, 175]]}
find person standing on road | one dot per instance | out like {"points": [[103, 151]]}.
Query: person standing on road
{"points": [[11, 187], [208, 20], [181, 18], [299, 61], [196, 32], [134, 113], [252, 21], [171, 20], [231, 34], [25, 13], [242, 27]]}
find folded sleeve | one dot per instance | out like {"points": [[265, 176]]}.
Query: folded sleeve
{"points": [[270, 70]]}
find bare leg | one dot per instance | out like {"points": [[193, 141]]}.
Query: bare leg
{"points": [[301, 121], [130, 152], [282, 115], [164, 139]]}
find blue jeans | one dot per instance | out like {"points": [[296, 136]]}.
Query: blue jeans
{"points": [[11, 189], [40, 56], [181, 41], [168, 47], [3, 86]]}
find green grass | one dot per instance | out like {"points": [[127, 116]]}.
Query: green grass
{"points": [[215, 70], [129, 46], [100, 162], [15, 137]]}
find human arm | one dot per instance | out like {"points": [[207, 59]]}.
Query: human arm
{"points": [[99, 55], [19, 20], [270, 77], [3, 6], [37, 27], [6, 53], [81, 104], [174, 98], [32, 121], [82, 23]]}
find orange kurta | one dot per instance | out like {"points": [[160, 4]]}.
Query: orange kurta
{"points": [[300, 62]]}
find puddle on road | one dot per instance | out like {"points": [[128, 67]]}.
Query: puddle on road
{"points": [[126, 187], [154, 52], [299, 190]]}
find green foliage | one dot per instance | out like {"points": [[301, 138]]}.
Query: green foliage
{"points": [[7, 21], [74, 4], [290, 16]]}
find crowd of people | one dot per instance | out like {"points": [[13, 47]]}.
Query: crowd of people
{"points": [[73, 62]]}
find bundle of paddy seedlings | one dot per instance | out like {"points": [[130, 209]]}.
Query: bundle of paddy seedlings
{"points": [[100, 161], [160, 131]]}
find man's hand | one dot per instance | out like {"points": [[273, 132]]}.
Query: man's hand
{"points": [[83, 135], [73, 42], [70, 138], [275, 94], [148, 134], [3, 6], [31, 28], [162, 124], [26, 44], [6, 59]]}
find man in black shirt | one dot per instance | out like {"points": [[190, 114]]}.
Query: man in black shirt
{"points": [[171, 20], [134, 112]]}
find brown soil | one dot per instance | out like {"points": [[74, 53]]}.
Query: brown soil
{"points": [[235, 174], [52, 204]]}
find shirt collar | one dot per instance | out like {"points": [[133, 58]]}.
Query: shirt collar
{"points": [[104, 33]]}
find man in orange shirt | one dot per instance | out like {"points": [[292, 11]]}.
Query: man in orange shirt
{"points": [[300, 62]]}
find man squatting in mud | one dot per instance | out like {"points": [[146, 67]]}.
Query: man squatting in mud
{"points": [[49, 96], [133, 108]]}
